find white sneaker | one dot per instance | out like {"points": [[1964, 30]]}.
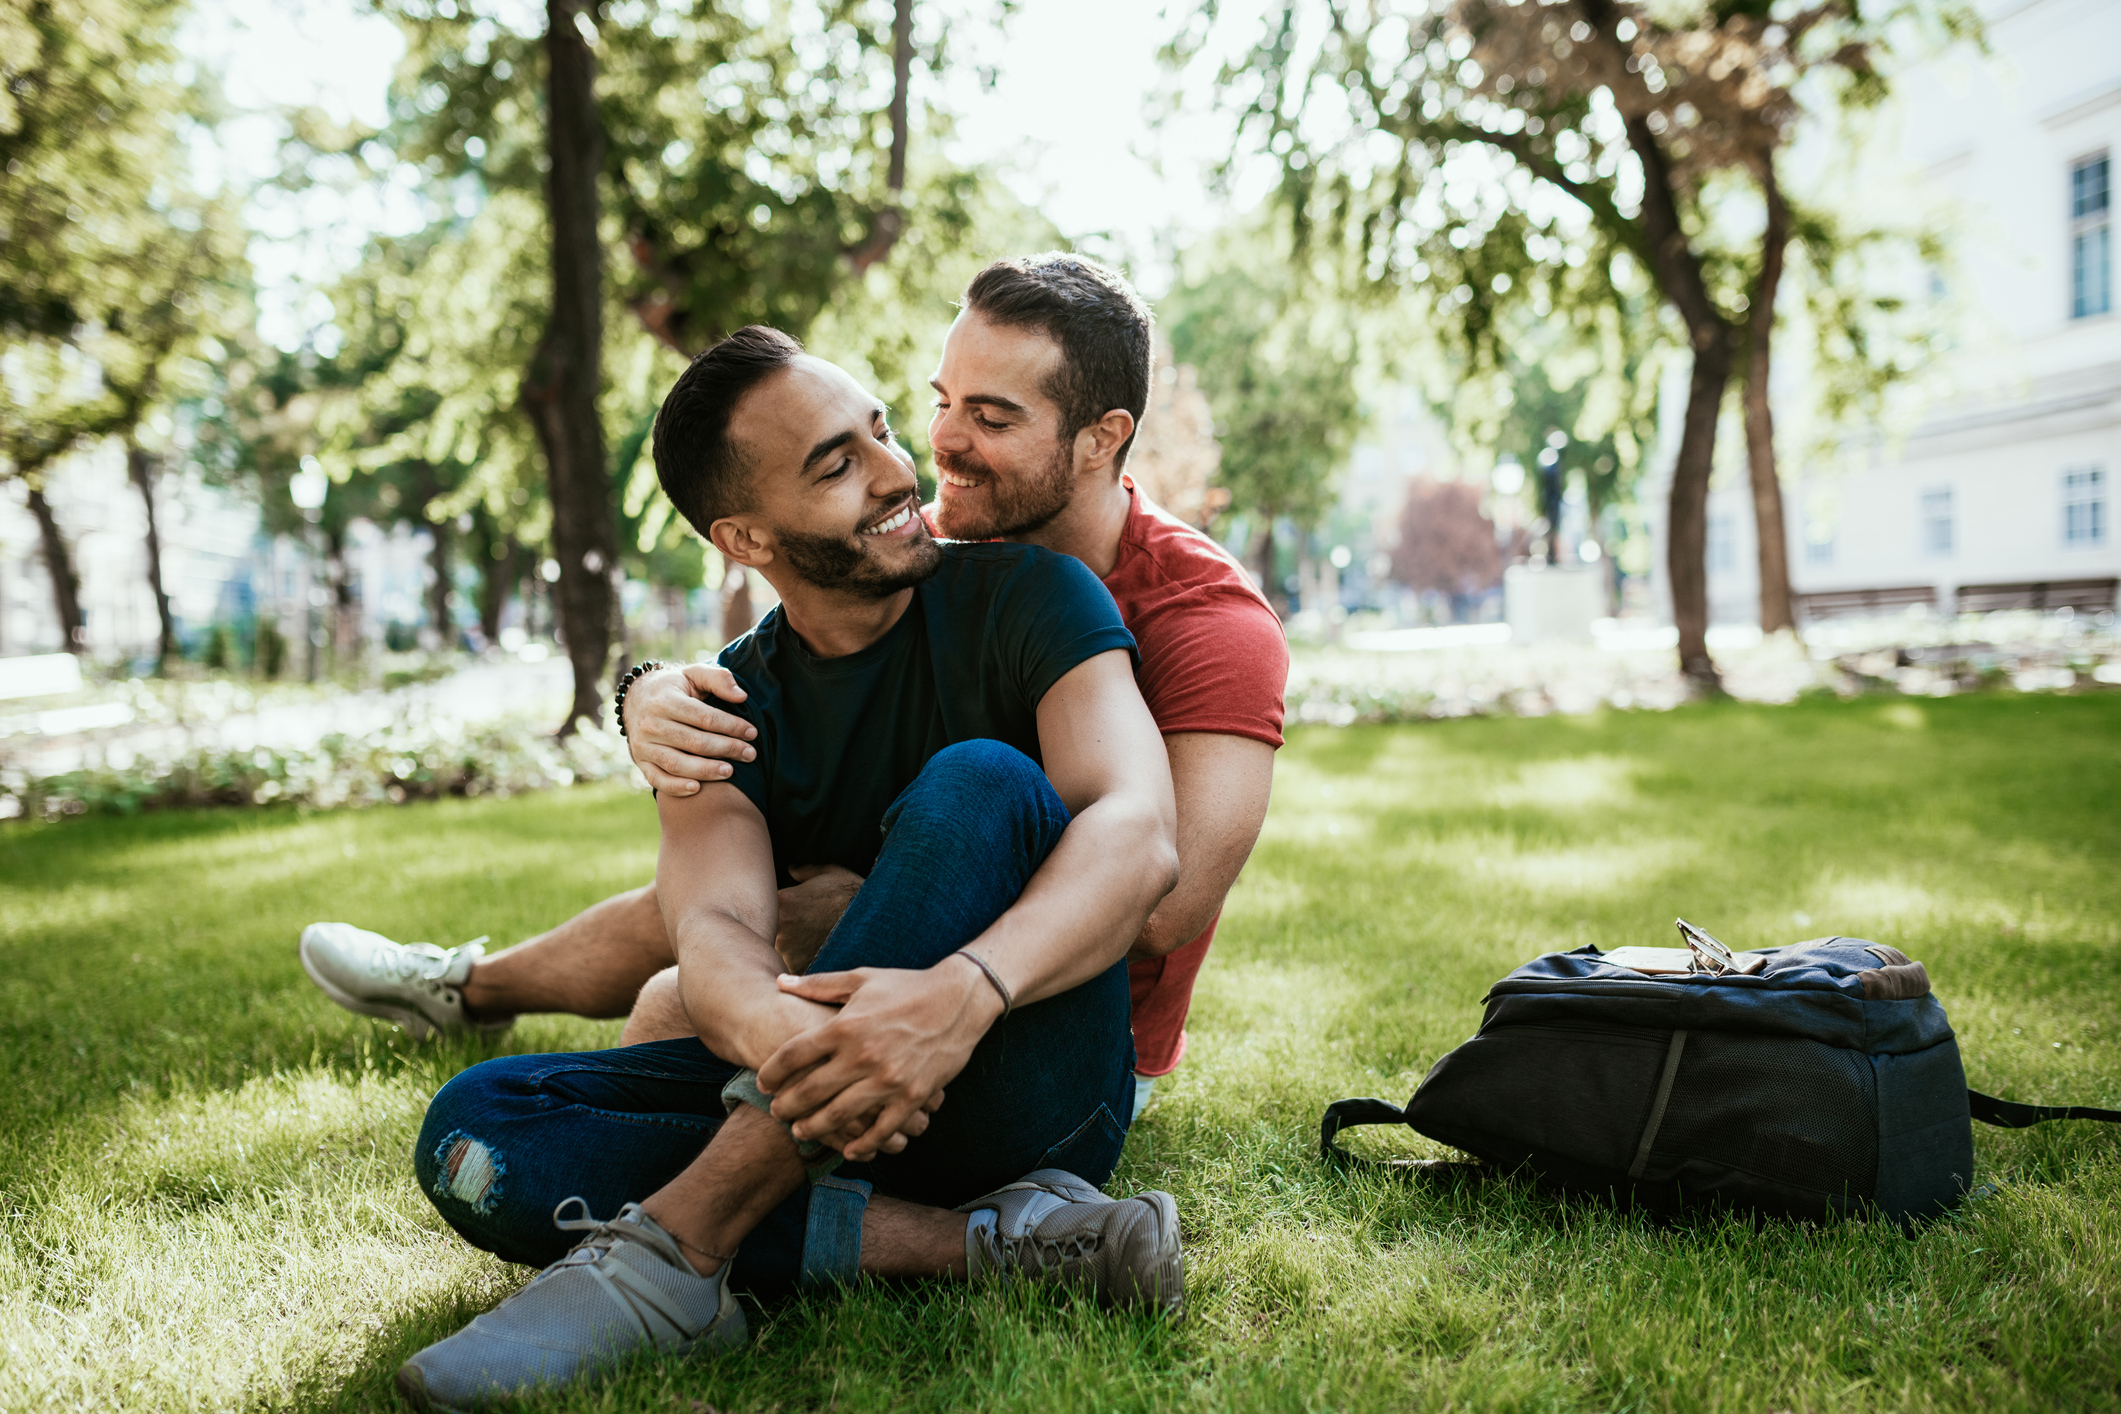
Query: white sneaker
{"points": [[416, 985]]}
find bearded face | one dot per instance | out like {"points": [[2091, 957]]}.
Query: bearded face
{"points": [[1002, 501], [854, 565]]}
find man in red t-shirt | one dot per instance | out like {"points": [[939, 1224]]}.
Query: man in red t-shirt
{"points": [[1043, 380]]}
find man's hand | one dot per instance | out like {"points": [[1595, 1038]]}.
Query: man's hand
{"points": [[900, 1037], [811, 910], [679, 739]]}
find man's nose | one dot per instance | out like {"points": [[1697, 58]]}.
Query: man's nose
{"points": [[947, 431]]}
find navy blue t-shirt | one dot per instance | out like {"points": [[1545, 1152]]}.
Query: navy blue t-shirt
{"points": [[970, 658]]}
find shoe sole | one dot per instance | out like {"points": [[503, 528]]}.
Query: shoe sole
{"points": [[412, 1386], [724, 1335], [415, 1025]]}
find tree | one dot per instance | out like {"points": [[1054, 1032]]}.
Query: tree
{"points": [[1496, 155], [1446, 546], [106, 256], [736, 155], [1278, 364], [1175, 454]]}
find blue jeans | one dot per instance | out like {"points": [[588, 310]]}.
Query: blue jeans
{"points": [[1051, 1087]]}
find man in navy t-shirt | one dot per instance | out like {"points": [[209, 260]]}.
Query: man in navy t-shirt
{"points": [[959, 724]]}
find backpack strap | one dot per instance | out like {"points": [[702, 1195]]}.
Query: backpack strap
{"points": [[1347, 1114], [2007, 1114]]}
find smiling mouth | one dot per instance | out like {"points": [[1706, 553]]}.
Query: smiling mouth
{"points": [[896, 521], [955, 480]]}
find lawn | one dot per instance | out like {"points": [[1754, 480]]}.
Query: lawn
{"points": [[210, 1205]]}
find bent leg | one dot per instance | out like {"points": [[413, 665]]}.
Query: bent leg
{"points": [[1051, 1086], [592, 965], [507, 1141], [659, 1014]]}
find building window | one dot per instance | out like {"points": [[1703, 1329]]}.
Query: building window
{"points": [[2091, 237], [2084, 507], [1937, 522]]}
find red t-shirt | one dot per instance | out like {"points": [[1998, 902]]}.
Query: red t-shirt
{"points": [[1213, 659]]}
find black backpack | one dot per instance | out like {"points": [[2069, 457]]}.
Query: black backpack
{"points": [[1827, 1081]]}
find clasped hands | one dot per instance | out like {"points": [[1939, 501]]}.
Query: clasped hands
{"points": [[864, 1078]]}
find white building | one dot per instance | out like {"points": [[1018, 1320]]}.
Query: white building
{"points": [[2000, 494], [216, 567]]}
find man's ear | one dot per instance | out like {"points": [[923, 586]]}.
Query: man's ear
{"points": [[742, 541], [1097, 444]]}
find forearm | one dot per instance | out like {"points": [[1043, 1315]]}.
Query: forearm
{"points": [[714, 882], [1221, 784], [1087, 903], [726, 979]]}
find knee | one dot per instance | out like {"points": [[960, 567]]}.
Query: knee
{"points": [[981, 780], [658, 1013], [458, 1164]]}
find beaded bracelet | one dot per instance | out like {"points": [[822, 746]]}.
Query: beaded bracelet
{"points": [[618, 701]]}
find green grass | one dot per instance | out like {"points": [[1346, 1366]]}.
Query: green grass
{"points": [[209, 1203]]}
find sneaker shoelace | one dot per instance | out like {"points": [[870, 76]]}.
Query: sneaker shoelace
{"points": [[416, 962], [1044, 1254], [627, 1289]]}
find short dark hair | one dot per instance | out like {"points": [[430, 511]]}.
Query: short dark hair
{"points": [[702, 470], [1101, 325]]}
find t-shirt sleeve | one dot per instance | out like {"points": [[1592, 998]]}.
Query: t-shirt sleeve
{"points": [[751, 776], [1056, 616], [1216, 663]]}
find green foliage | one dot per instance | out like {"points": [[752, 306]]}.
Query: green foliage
{"points": [[1482, 164], [1278, 357], [210, 1159], [116, 270], [408, 761]]}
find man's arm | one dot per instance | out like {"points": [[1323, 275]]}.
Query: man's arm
{"points": [[1221, 784], [903, 1034], [715, 882]]}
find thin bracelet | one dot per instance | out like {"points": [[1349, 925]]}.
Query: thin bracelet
{"points": [[633, 674], [1008, 1002], [711, 1256]]}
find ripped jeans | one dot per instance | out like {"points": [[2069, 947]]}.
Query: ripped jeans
{"points": [[1052, 1087]]}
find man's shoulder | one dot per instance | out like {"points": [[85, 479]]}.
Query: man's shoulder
{"points": [[1163, 559]]}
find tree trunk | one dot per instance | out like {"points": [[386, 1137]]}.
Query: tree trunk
{"points": [[441, 595], [1687, 510], [890, 223], [498, 573], [561, 393], [345, 621], [141, 468], [1775, 610], [1678, 272], [1263, 552], [59, 563]]}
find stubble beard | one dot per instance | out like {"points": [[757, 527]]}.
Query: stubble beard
{"points": [[1019, 506], [844, 565]]}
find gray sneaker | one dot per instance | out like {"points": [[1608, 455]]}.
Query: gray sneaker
{"points": [[417, 985], [1056, 1227], [624, 1290]]}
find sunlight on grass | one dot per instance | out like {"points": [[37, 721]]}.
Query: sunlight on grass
{"points": [[210, 1203]]}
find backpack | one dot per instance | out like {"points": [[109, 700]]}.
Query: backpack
{"points": [[1825, 1081]]}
